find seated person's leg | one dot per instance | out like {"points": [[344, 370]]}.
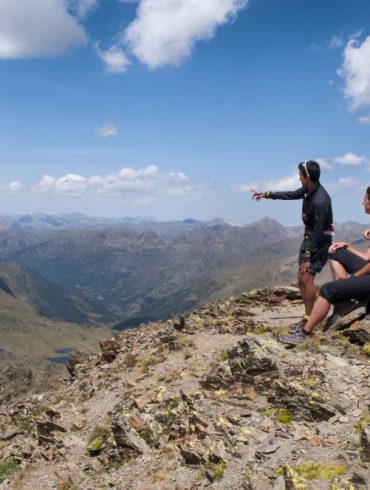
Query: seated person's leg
{"points": [[330, 293], [345, 289], [344, 260]]}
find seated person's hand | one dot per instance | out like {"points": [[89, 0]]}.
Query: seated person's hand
{"points": [[335, 246], [367, 234]]}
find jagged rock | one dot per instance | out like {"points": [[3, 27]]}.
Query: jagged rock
{"points": [[360, 334], [298, 400], [76, 359], [220, 377], [128, 441], [192, 455], [271, 448], [163, 428], [180, 325], [254, 479], [9, 435], [109, 349], [359, 479], [137, 423], [15, 379], [347, 320], [250, 359], [45, 430], [337, 361], [272, 296], [365, 443]]}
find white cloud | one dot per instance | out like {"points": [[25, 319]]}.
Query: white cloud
{"points": [[364, 119], [114, 58], [70, 184], [341, 184], [335, 42], [356, 73], [356, 34], [143, 185], [109, 129], [324, 164], [165, 31], [12, 187], [83, 7], [350, 159], [283, 184], [34, 28]]}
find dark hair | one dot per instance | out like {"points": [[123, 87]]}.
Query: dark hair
{"points": [[310, 169], [368, 192]]}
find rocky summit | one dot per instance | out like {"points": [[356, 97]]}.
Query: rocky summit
{"points": [[209, 400]]}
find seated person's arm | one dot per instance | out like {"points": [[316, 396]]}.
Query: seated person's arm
{"points": [[335, 246], [363, 272]]}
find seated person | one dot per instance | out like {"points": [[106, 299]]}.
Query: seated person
{"points": [[351, 269]]}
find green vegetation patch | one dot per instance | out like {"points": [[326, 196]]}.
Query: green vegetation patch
{"points": [[66, 485], [280, 414], [362, 423], [312, 470], [366, 348], [148, 436], [97, 439], [7, 469], [160, 475], [217, 470], [223, 355], [261, 330]]}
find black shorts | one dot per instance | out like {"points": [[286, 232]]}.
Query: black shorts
{"points": [[350, 288], [350, 261], [318, 259], [346, 289]]}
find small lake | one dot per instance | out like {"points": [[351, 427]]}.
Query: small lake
{"points": [[60, 359]]}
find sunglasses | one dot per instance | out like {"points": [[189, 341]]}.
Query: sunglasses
{"points": [[304, 165]]}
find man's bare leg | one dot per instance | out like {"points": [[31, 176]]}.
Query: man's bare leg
{"points": [[307, 286]]}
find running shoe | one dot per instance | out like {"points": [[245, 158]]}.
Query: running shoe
{"points": [[342, 309], [298, 326], [295, 338]]}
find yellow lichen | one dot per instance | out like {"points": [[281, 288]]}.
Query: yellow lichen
{"points": [[218, 470], [260, 330], [160, 475], [220, 392], [310, 382], [348, 486], [280, 414], [244, 431], [366, 348], [312, 470], [362, 423], [297, 480]]}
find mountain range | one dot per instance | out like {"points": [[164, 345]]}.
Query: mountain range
{"points": [[91, 270]]}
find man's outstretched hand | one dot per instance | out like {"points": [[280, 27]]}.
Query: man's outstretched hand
{"points": [[257, 195]]}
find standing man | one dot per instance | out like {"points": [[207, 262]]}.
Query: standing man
{"points": [[317, 217]]}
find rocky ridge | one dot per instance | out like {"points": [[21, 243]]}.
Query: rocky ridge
{"points": [[211, 400]]}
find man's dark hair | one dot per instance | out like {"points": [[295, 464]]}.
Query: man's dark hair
{"points": [[310, 169], [368, 192]]}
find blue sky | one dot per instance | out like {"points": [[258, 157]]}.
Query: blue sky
{"points": [[175, 108]]}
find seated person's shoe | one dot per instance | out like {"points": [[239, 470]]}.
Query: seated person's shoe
{"points": [[342, 309]]}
